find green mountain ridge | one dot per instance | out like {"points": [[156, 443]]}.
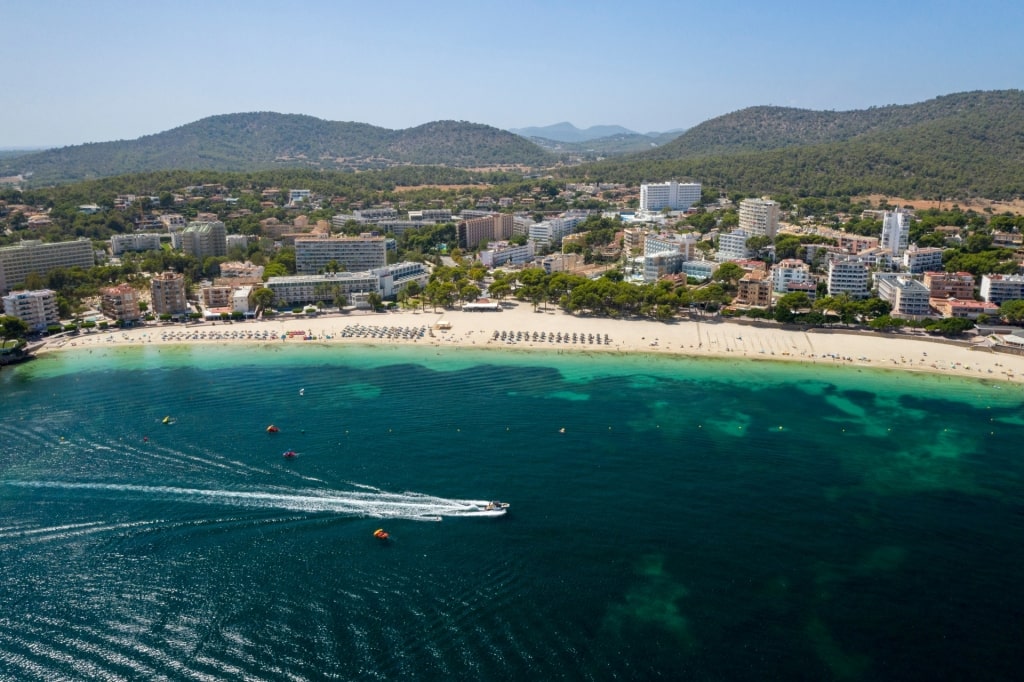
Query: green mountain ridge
{"points": [[955, 146], [962, 145], [261, 140]]}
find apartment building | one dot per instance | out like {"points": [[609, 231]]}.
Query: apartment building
{"points": [[685, 244], [909, 298], [958, 285], [733, 245], [850, 276], [917, 260], [120, 303], [759, 217], [671, 195], [204, 239], [122, 243], [755, 289], [658, 265], [476, 231], [36, 308], [32, 256], [354, 254], [1000, 288], [168, 294], [789, 271]]}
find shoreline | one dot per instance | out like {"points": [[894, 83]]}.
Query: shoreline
{"points": [[520, 328]]}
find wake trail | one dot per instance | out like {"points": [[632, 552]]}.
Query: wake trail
{"points": [[367, 502]]}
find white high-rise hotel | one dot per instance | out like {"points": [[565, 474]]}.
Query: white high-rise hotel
{"points": [[895, 232], [672, 195]]}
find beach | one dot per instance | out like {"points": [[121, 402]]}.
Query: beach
{"points": [[520, 327]]}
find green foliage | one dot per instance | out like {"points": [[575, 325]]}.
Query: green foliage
{"points": [[265, 140], [964, 145], [12, 328], [949, 326], [1012, 311]]}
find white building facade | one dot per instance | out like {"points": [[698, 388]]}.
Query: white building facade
{"points": [[848, 276], [671, 195], [37, 308], [895, 232], [759, 217]]}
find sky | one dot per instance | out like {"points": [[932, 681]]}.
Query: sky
{"points": [[77, 72]]}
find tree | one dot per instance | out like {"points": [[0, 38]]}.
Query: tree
{"points": [[375, 301], [12, 328], [1012, 311], [262, 298], [729, 273], [788, 304]]}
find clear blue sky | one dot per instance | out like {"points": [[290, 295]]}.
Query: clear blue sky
{"points": [[98, 70]]}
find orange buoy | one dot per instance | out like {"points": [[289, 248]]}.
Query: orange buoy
{"points": [[380, 534]]}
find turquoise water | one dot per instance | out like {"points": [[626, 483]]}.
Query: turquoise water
{"points": [[670, 518]]}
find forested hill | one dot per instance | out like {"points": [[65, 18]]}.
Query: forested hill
{"points": [[765, 127], [253, 141], [959, 146]]}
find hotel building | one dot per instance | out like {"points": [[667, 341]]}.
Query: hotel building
{"points": [[37, 309], [354, 254], [895, 232], [33, 256], [672, 195]]}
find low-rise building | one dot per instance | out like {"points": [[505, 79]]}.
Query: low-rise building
{"points": [[964, 309], [502, 253]]}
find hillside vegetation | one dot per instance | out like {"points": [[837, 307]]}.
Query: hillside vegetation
{"points": [[958, 146], [255, 141], [964, 145]]}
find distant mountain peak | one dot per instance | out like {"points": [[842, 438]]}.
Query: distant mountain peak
{"points": [[567, 132]]}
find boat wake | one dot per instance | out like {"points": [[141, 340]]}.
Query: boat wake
{"points": [[367, 501]]}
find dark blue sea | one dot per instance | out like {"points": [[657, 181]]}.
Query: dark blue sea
{"points": [[670, 518]]}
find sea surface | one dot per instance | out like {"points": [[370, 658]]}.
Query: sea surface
{"points": [[670, 518]]}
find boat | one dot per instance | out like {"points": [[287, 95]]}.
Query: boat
{"points": [[288, 454], [380, 534], [495, 506], [167, 419], [272, 429]]}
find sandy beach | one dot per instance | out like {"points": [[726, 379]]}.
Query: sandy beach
{"points": [[520, 327]]}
